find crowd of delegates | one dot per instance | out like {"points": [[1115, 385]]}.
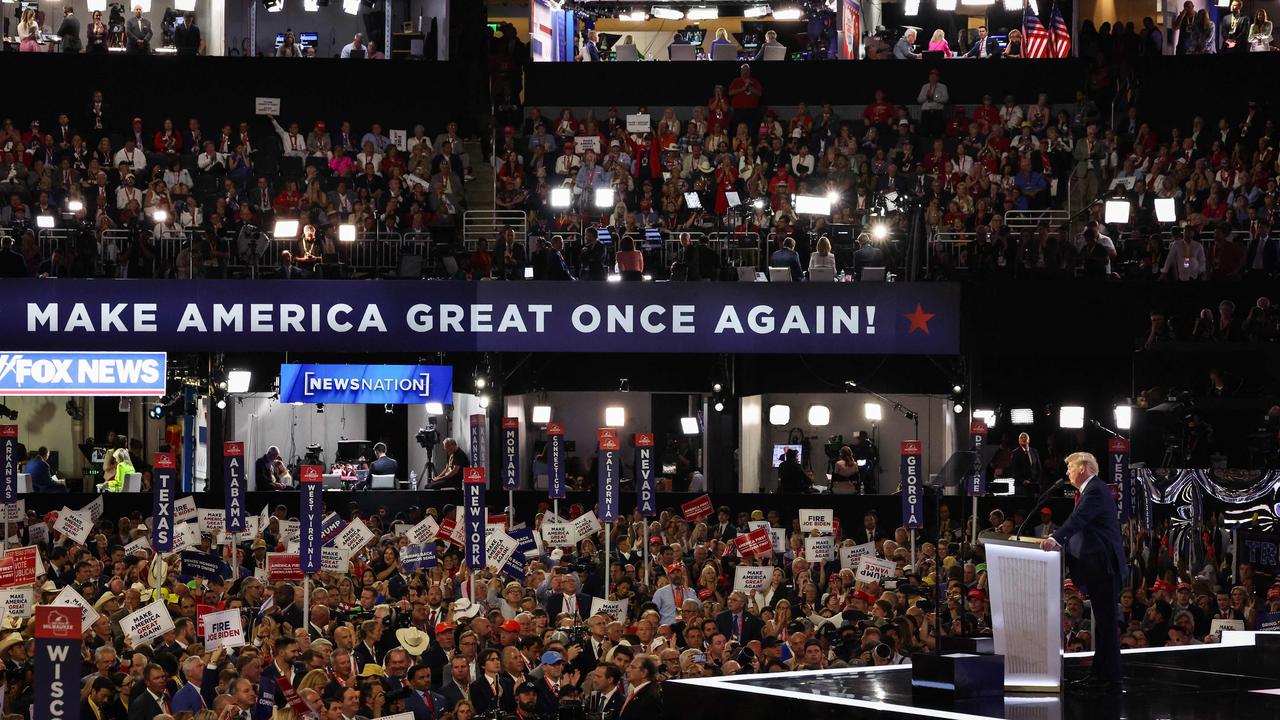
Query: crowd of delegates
{"points": [[96, 167], [968, 165], [383, 638]]}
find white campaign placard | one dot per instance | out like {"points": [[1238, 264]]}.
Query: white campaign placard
{"points": [[290, 531], [147, 623], [639, 123], [750, 578], [557, 534], [498, 549], [211, 521], [1217, 626], [819, 548], [15, 512], [779, 538], [223, 629], [401, 529], [756, 524], [397, 716], [400, 139], [70, 598], [585, 525], [38, 533], [184, 509], [334, 560], [74, 524], [134, 546], [266, 106], [185, 537], [587, 142], [819, 520], [19, 603], [872, 569], [851, 554], [94, 508], [424, 531], [616, 609], [353, 537]]}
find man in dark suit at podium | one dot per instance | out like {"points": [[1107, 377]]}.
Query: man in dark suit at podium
{"points": [[1095, 559]]}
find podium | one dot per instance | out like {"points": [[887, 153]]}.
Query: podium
{"points": [[1025, 584]]}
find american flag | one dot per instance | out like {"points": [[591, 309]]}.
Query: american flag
{"points": [[1061, 34], [1035, 37]]}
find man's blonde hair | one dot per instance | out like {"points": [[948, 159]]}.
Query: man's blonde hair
{"points": [[1089, 462]]}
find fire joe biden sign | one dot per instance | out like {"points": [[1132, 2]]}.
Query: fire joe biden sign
{"points": [[880, 318]]}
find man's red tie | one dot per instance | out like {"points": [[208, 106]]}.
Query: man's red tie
{"points": [[1077, 500]]}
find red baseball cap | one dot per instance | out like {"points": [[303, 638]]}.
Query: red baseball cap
{"points": [[975, 593], [1162, 585], [1273, 593], [673, 567], [443, 627], [510, 626]]}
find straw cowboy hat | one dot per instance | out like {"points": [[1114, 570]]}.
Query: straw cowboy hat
{"points": [[9, 641], [413, 640]]}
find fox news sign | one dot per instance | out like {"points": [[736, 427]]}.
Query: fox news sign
{"points": [[82, 373], [366, 384]]}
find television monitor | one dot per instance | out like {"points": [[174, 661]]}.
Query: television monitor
{"points": [[780, 450], [652, 239], [354, 451]]}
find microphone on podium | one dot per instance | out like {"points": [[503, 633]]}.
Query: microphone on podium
{"points": [[1040, 501]]}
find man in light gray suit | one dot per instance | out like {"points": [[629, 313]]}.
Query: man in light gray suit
{"points": [[137, 30], [69, 31], [904, 49]]}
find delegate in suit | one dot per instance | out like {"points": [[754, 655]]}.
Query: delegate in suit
{"points": [[1095, 559]]}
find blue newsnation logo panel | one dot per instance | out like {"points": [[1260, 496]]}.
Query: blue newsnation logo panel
{"points": [[367, 384]]}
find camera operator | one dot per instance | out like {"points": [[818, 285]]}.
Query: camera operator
{"points": [[644, 700], [451, 476]]}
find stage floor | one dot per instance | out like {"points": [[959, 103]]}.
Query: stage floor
{"points": [[1239, 679]]}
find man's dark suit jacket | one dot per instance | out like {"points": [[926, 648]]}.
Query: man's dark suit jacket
{"points": [[752, 627], [1091, 535]]}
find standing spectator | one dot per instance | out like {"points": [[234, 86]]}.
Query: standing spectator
{"points": [[744, 97], [1260, 32], [933, 100], [138, 31], [1186, 259], [69, 31], [1235, 30]]}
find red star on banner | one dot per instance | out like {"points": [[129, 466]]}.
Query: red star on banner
{"points": [[919, 320]]}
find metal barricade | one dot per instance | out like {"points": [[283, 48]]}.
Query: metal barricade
{"points": [[957, 240], [1030, 219], [738, 249], [489, 224]]}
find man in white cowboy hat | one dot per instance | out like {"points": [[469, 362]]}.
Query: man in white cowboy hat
{"points": [[464, 609], [414, 641]]}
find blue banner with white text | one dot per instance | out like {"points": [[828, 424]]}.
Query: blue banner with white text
{"points": [[646, 487], [510, 453], [162, 493], [320, 315], [366, 384], [474, 517]]}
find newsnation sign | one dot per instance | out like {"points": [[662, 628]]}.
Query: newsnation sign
{"points": [[230, 315], [366, 384]]}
